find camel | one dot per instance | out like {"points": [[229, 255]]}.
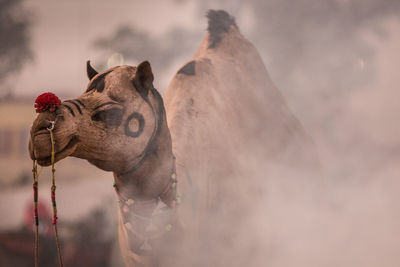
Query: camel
{"points": [[186, 164]]}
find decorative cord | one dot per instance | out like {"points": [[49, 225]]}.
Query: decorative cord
{"points": [[36, 214], [53, 195]]}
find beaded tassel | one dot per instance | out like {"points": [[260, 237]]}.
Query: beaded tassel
{"points": [[53, 195], [36, 213], [35, 200], [53, 201]]}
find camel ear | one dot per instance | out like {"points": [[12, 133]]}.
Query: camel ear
{"points": [[90, 71], [144, 78]]}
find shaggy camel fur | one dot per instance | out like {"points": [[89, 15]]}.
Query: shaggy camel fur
{"points": [[225, 122]]}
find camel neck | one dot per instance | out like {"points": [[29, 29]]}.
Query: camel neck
{"points": [[151, 178], [153, 175]]}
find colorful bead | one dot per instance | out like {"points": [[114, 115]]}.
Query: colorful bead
{"points": [[129, 202], [168, 227], [173, 204], [125, 209]]}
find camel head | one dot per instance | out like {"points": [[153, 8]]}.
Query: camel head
{"points": [[113, 124]]}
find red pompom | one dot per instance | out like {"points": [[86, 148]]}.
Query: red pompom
{"points": [[47, 101]]}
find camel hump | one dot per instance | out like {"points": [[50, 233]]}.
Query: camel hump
{"points": [[219, 22]]}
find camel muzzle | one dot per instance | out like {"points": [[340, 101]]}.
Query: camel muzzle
{"points": [[40, 143]]}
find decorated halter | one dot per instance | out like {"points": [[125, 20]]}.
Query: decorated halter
{"points": [[46, 102], [163, 214]]}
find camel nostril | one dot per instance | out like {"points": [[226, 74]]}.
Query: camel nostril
{"points": [[52, 124], [41, 129], [43, 124]]}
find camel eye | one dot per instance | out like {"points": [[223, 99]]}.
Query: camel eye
{"points": [[111, 117]]}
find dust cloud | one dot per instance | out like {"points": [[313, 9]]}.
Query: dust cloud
{"points": [[336, 63]]}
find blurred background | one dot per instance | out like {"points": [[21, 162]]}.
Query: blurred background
{"points": [[336, 62]]}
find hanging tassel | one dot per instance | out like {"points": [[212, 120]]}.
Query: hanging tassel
{"points": [[36, 213], [53, 195]]}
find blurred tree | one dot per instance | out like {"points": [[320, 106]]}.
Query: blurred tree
{"points": [[14, 35], [136, 46]]}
